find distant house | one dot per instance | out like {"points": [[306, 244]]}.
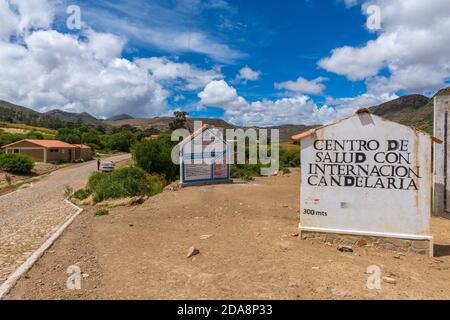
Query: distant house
{"points": [[50, 151], [83, 152], [204, 157]]}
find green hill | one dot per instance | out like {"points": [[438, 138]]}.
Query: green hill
{"points": [[66, 117], [120, 117], [411, 110], [54, 119]]}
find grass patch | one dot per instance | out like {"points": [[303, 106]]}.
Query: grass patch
{"points": [[289, 157], [102, 212], [27, 128], [124, 183], [245, 172], [81, 194], [68, 191]]}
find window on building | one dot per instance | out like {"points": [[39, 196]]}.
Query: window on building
{"points": [[16, 150], [54, 150]]}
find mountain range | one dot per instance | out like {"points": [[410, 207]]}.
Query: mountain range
{"points": [[413, 110]]}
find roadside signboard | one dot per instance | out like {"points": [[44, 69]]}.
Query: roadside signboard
{"points": [[204, 157], [367, 176]]}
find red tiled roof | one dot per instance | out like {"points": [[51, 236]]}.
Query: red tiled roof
{"points": [[45, 143], [51, 143]]}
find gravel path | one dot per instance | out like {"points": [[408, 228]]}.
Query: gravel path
{"points": [[29, 216], [248, 250]]}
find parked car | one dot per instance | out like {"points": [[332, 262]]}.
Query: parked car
{"points": [[108, 166]]}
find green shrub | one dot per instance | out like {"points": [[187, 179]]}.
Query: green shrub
{"points": [[155, 157], [158, 183], [16, 163], [33, 134], [102, 212], [121, 141], [125, 182], [289, 158], [245, 171], [82, 194]]}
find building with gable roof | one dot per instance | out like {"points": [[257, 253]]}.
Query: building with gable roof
{"points": [[204, 157], [50, 151]]}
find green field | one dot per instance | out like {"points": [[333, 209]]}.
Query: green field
{"points": [[12, 132], [24, 127]]}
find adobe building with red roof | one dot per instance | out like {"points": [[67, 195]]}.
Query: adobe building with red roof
{"points": [[50, 151]]}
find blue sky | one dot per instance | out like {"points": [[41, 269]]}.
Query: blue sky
{"points": [[250, 62], [282, 41]]}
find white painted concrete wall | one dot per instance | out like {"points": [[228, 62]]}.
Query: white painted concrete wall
{"points": [[441, 155], [368, 211]]}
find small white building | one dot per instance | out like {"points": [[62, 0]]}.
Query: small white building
{"points": [[441, 152], [204, 157], [364, 177]]}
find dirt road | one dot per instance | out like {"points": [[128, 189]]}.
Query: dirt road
{"points": [[247, 252], [29, 216]]}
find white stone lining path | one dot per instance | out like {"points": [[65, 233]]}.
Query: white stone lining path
{"points": [[28, 217], [12, 279]]}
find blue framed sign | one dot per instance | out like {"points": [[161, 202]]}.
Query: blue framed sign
{"points": [[204, 157]]}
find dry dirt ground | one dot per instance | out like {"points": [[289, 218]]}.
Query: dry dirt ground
{"points": [[251, 253], [29, 216]]}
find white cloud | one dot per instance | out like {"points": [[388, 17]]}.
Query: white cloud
{"points": [[298, 109], [105, 46], [302, 85], [217, 4], [45, 69], [248, 74], [166, 70], [17, 16], [346, 106], [220, 94], [412, 47], [179, 97], [415, 78], [173, 29]]}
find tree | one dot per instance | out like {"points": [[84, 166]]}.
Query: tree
{"points": [[155, 157], [180, 120], [121, 141], [69, 135]]}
